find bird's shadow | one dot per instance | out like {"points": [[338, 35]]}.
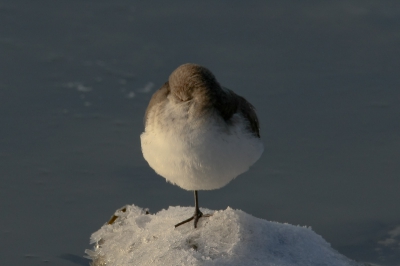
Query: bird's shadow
{"points": [[78, 260]]}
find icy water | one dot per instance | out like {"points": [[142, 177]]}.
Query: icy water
{"points": [[76, 76]]}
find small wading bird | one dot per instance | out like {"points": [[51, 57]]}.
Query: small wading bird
{"points": [[199, 135]]}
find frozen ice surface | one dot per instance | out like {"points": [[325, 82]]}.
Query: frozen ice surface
{"points": [[228, 237]]}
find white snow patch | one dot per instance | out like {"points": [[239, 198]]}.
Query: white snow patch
{"points": [[393, 240], [147, 88], [78, 86], [229, 237], [130, 95]]}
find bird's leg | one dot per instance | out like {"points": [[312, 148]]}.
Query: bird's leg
{"points": [[197, 213]]}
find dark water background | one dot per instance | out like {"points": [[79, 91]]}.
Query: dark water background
{"points": [[76, 76]]}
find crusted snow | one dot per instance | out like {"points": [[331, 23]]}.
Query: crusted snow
{"points": [[228, 237]]}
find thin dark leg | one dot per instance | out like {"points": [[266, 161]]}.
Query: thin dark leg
{"points": [[197, 213]]}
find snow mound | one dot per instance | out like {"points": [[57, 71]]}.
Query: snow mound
{"points": [[228, 237]]}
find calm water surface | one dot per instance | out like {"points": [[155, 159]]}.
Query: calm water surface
{"points": [[76, 77]]}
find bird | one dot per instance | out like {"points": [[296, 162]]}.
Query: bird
{"points": [[199, 135]]}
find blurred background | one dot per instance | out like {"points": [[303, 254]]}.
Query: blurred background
{"points": [[76, 77]]}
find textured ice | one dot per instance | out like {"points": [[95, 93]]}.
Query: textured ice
{"points": [[229, 237]]}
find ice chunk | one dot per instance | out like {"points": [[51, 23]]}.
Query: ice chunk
{"points": [[228, 237]]}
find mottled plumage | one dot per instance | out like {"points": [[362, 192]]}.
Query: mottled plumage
{"points": [[193, 82]]}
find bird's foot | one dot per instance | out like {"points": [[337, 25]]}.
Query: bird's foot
{"points": [[196, 216]]}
